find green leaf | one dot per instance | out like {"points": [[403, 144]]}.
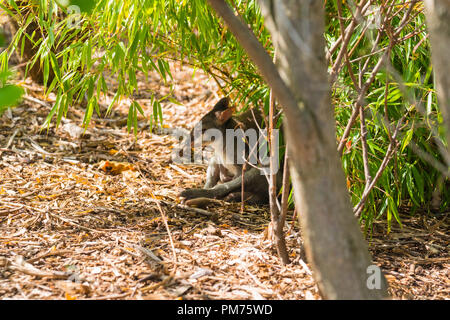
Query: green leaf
{"points": [[139, 108], [407, 139], [2, 39], [61, 107], [135, 122], [55, 65], [46, 70], [84, 5], [88, 113], [114, 100], [4, 75], [411, 187], [419, 182], [10, 96], [130, 117], [53, 110], [162, 69], [175, 101]]}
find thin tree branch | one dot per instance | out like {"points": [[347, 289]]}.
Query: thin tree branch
{"points": [[364, 147], [389, 153], [336, 67], [286, 188]]}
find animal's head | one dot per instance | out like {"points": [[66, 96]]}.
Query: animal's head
{"points": [[214, 119]]}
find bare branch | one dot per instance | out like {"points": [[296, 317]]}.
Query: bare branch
{"points": [[364, 147], [389, 153]]}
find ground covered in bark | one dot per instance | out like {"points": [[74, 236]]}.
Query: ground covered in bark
{"points": [[95, 215]]}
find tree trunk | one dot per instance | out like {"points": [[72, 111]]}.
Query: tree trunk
{"points": [[438, 21], [333, 240]]}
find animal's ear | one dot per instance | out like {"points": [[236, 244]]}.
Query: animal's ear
{"points": [[222, 104], [222, 111], [224, 116]]}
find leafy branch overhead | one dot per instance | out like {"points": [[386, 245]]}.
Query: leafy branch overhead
{"points": [[126, 37]]}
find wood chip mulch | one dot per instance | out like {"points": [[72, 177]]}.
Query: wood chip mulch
{"points": [[94, 214]]}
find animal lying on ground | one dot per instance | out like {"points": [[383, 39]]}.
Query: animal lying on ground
{"points": [[235, 141]]}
